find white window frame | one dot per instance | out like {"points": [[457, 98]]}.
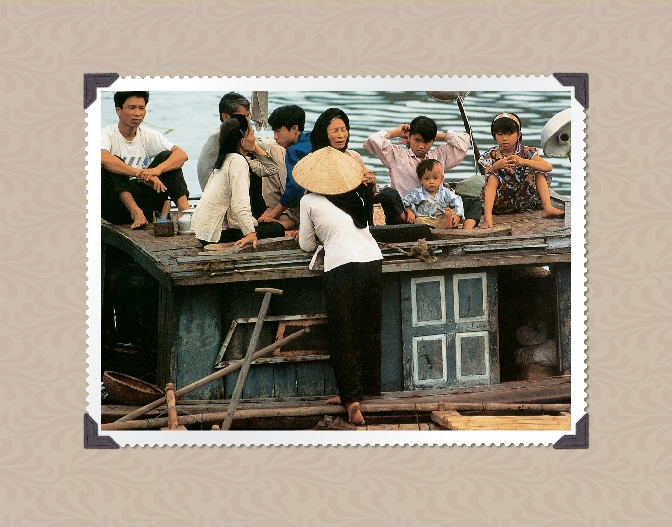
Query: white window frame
{"points": [[458, 355], [430, 382], [414, 310], [456, 299]]}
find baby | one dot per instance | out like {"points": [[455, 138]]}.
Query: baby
{"points": [[432, 203]]}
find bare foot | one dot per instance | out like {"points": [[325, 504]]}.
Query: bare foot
{"points": [[334, 400], [468, 224], [355, 417], [139, 220], [552, 212], [487, 223]]}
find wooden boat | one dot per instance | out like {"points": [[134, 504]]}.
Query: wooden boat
{"points": [[447, 320]]}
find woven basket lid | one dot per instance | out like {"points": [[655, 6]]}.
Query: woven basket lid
{"points": [[328, 171]]}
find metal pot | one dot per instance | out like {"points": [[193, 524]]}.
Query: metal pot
{"points": [[184, 222]]}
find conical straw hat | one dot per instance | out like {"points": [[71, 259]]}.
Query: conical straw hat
{"points": [[328, 171]]}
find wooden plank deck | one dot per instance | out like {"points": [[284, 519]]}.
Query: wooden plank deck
{"points": [[181, 261]]}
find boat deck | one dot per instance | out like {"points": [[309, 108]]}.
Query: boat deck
{"points": [[518, 239], [390, 407]]}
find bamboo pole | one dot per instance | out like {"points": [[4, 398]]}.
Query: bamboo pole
{"points": [[221, 373], [172, 411]]}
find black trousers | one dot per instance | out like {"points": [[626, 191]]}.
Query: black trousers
{"points": [[354, 313], [473, 208], [392, 205], [114, 211]]}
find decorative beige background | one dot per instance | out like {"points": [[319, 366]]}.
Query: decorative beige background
{"points": [[47, 478]]}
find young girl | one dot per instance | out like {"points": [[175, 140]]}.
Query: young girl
{"points": [[517, 178]]}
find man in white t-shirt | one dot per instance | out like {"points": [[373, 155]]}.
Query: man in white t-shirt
{"points": [[141, 170]]}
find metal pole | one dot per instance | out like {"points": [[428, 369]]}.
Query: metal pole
{"points": [[467, 127]]}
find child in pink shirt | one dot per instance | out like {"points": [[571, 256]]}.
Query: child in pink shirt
{"points": [[402, 162]]}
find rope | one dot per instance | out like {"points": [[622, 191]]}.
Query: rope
{"points": [[420, 250]]}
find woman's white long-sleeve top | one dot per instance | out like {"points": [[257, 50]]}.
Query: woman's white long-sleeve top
{"points": [[225, 201], [324, 222]]}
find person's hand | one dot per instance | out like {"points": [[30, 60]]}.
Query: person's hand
{"points": [[369, 177], [517, 160], [506, 163], [250, 239], [155, 183], [258, 150], [410, 216], [295, 235], [404, 129], [147, 173], [266, 217]]}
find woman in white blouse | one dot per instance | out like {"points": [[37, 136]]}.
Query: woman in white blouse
{"points": [[336, 214], [232, 199]]}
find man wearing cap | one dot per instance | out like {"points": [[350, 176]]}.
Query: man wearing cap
{"points": [[140, 169]]}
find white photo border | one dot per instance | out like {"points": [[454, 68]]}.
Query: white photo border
{"points": [[334, 438]]}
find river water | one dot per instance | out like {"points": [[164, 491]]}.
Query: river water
{"points": [[188, 118]]}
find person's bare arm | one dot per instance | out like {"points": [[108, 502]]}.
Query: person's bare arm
{"points": [[177, 159], [536, 163], [116, 165], [400, 131], [273, 214], [264, 165]]}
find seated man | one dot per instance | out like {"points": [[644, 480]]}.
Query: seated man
{"points": [[230, 104], [288, 123], [141, 170]]}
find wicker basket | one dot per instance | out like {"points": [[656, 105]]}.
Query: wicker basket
{"points": [[128, 390]]}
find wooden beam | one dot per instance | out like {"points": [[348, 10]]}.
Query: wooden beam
{"points": [[454, 421]]}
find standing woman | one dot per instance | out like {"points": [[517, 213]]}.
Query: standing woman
{"points": [[333, 214], [232, 200]]}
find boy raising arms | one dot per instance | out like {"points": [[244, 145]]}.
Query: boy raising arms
{"points": [[402, 162]]}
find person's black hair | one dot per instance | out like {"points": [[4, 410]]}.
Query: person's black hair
{"points": [[230, 133], [121, 96], [426, 165], [230, 102], [424, 126], [318, 137], [502, 123], [287, 116]]}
